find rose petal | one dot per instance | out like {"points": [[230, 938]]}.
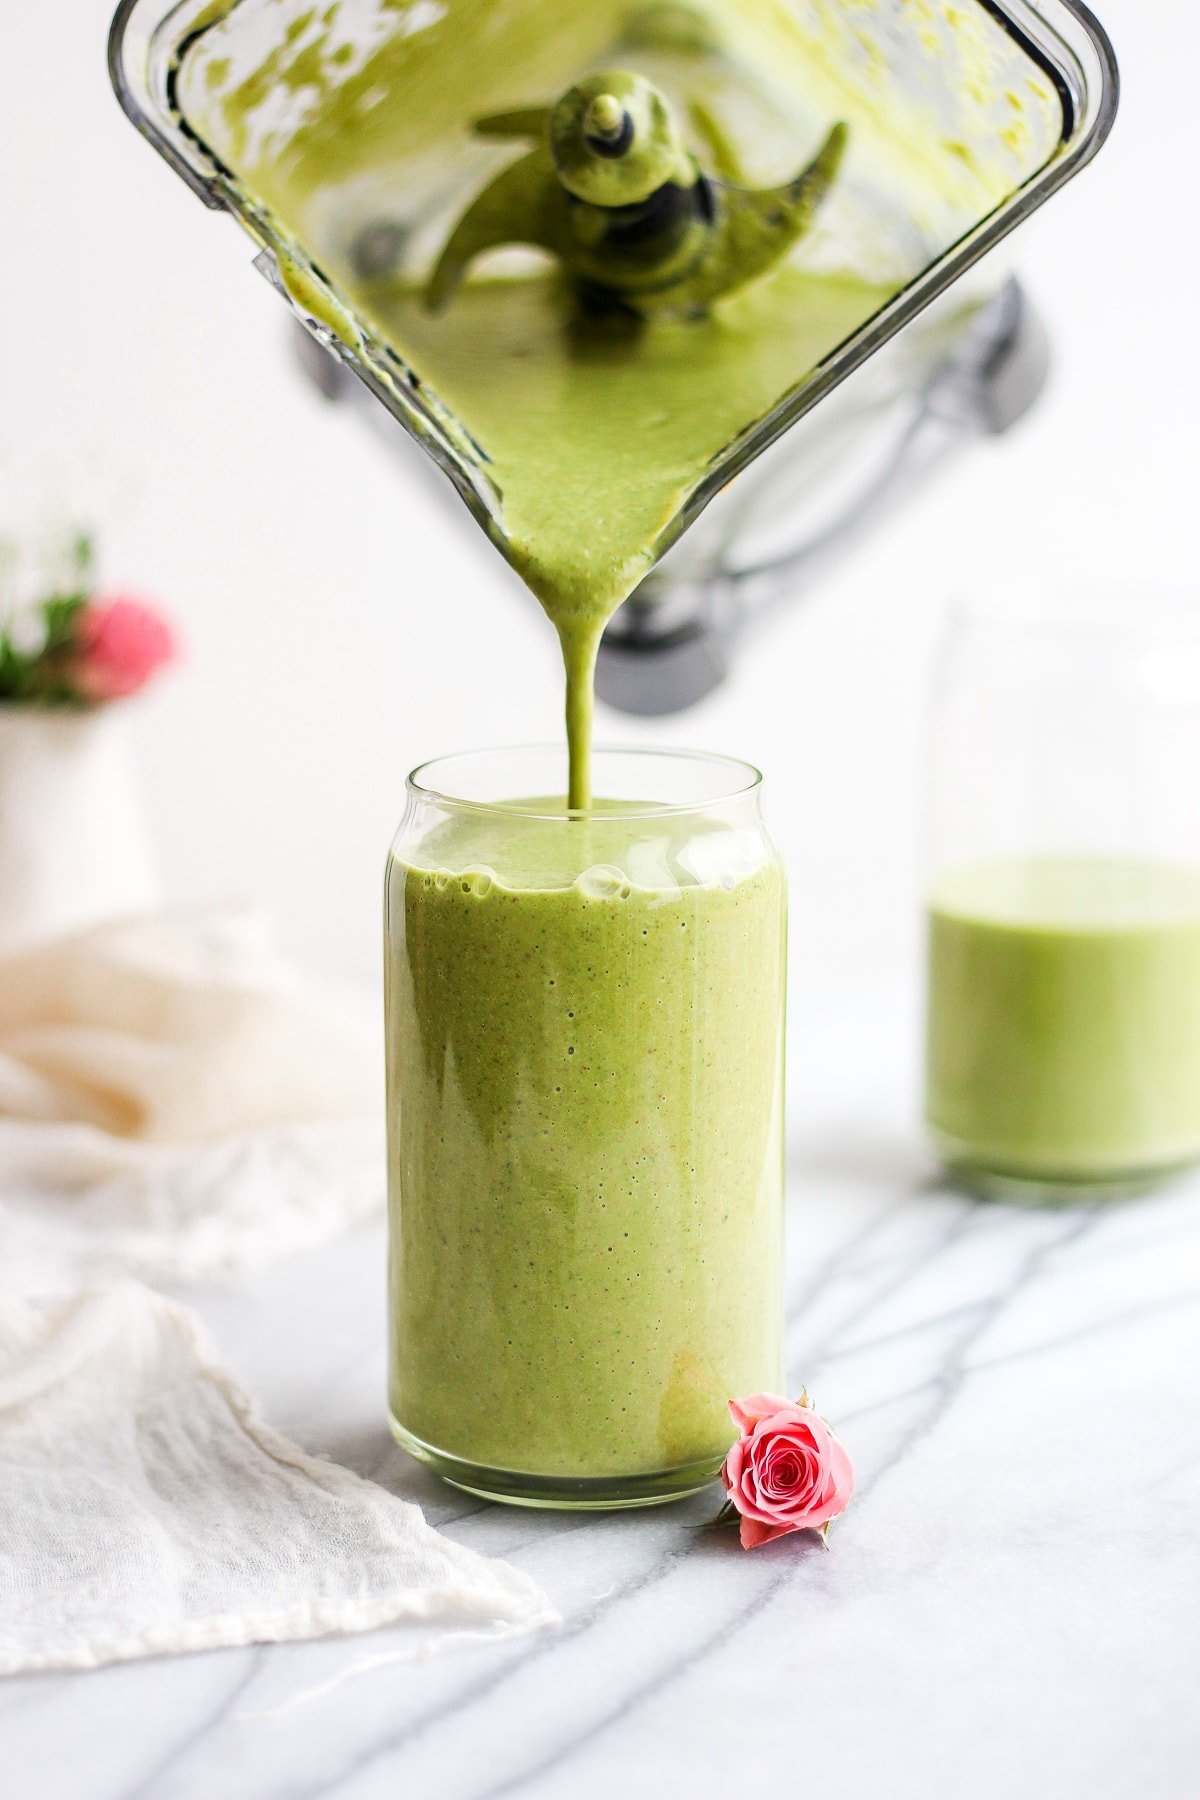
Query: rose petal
{"points": [[731, 1471], [785, 1443], [782, 1475], [749, 1502], [787, 1472], [747, 1413], [753, 1533], [761, 1499]]}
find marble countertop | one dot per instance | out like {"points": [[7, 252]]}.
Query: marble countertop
{"points": [[1010, 1609]]}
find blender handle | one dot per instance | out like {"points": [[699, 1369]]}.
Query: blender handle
{"points": [[672, 642]]}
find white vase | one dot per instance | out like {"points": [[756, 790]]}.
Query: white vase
{"points": [[74, 847]]}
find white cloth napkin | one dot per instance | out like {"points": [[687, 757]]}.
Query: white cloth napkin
{"points": [[145, 1508], [176, 1101]]}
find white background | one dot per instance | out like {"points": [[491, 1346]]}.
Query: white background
{"points": [[343, 621]]}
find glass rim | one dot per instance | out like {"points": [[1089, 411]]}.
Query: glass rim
{"points": [[420, 786]]}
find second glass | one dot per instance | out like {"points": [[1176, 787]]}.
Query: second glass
{"points": [[585, 1062], [1064, 914]]}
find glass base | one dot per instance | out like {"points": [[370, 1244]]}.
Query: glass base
{"points": [[995, 1180], [560, 1493]]}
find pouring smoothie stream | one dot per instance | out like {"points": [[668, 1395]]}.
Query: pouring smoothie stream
{"points": [[585, 1044]]}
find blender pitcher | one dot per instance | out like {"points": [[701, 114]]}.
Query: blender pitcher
{"points": [[356, 142]]}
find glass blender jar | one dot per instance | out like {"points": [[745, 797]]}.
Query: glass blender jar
{"points": [[344, 142]]}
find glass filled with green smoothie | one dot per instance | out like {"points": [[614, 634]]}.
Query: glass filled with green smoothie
{"points": [[1064, 904], [585, 1113]]}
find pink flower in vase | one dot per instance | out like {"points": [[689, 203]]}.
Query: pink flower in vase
{"points": [[121, 644], [787, 1471]]}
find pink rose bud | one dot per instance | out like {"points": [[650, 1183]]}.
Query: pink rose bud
{"points": [[121, 644], [786, 1472]]}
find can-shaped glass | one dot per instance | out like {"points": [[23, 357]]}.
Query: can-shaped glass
{"points": [[1064, 900], [584, 1021]]}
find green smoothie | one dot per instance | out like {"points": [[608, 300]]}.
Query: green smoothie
{"points": [[1064, 1019], [598, 428], [585, 1066]]}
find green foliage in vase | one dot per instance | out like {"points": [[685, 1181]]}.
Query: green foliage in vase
{"points": [[38, 642], [71, 647]]}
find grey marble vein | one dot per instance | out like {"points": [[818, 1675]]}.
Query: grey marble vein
{"points": [[1009, 1608]]}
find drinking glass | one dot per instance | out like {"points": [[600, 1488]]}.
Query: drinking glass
{"points": [[1063, 1050], [585, 1062]]}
